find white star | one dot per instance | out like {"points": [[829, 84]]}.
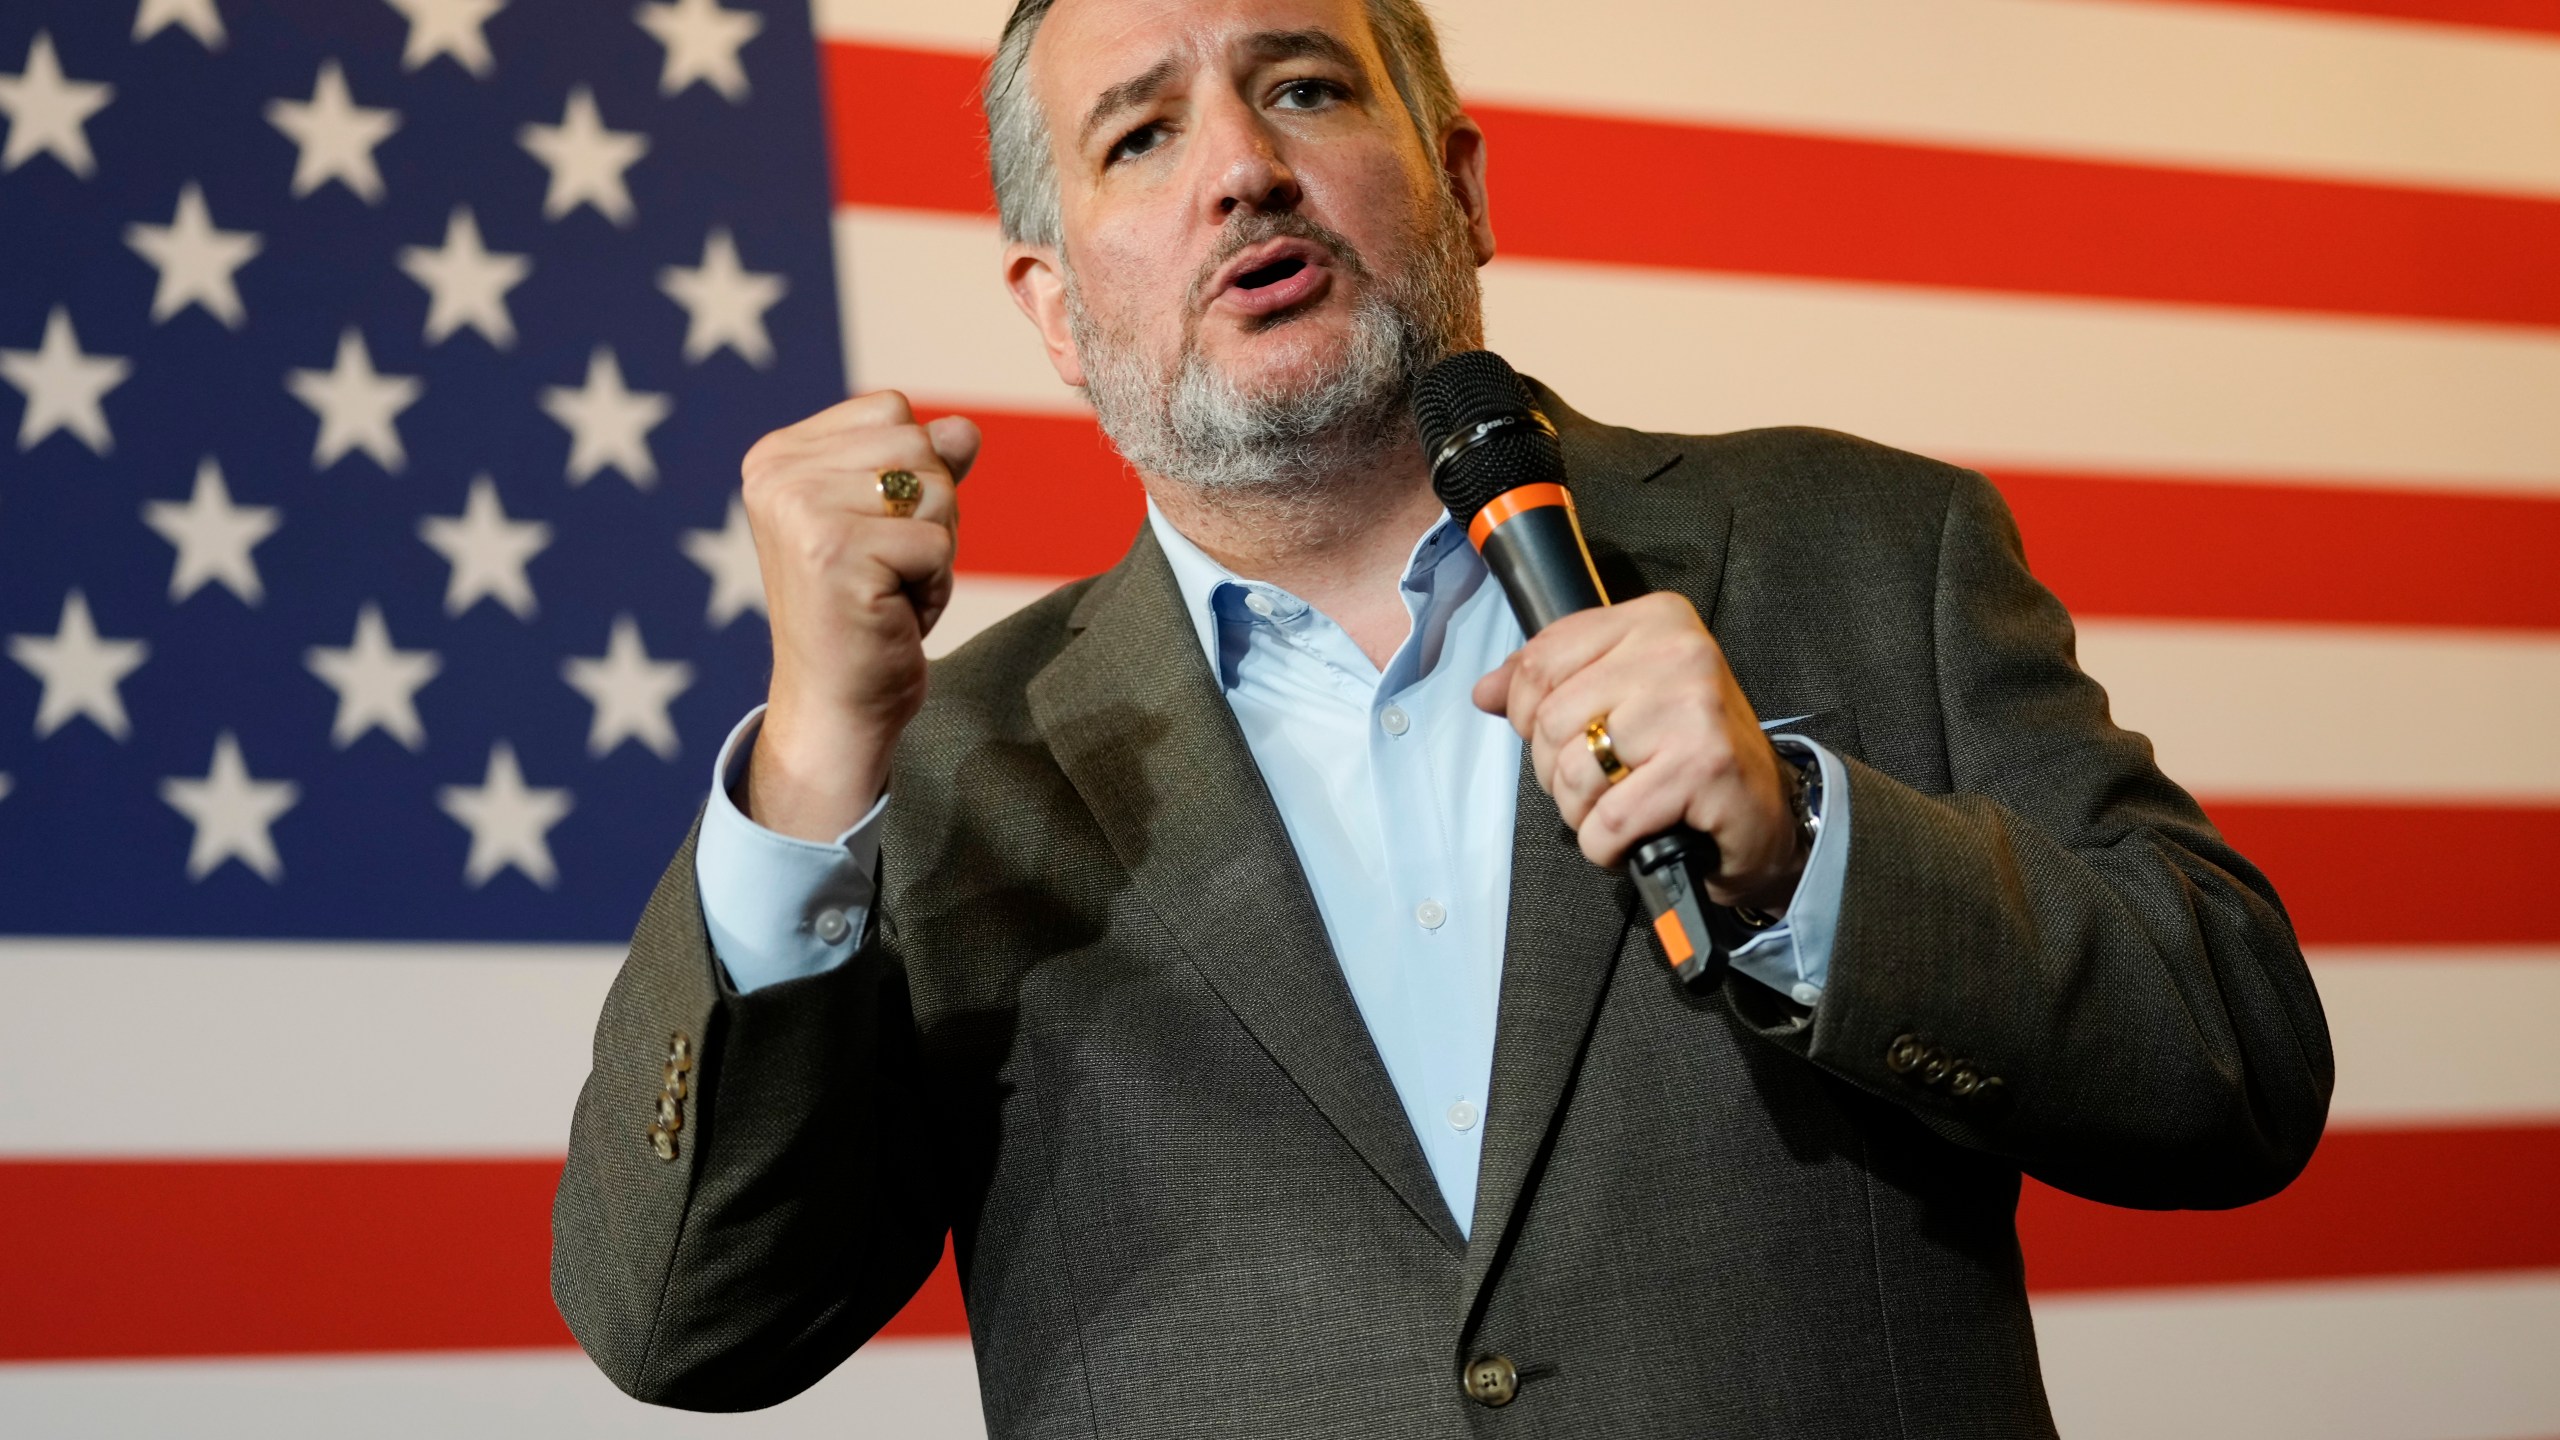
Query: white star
{"points": [[196, 260], [80, 671], [63, 386], [510, 824], [586, 160], [724, 302], [447, 27], [608, 423], [336, 134], [377, 685], [487, 551], [6, 784], [213, 536], [466, 283], [630, 691], [702, 43], [728, 555], [356, 406], [47, 112], [232, 813], [198, 17]]}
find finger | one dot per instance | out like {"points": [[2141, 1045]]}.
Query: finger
{"points": [[956, 439], [1555, 653], [1648, 802], [1493, 688]]}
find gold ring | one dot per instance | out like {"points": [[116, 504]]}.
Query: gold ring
{"points": [[1605, 750], [899, 492]]}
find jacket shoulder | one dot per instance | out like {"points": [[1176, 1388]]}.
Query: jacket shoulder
{"points": [[1802, 467]]}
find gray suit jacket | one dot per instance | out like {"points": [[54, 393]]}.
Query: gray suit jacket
{"points": [[1097, 1034]]}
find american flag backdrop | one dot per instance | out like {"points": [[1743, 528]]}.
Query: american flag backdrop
{"points": [[373, 375]]}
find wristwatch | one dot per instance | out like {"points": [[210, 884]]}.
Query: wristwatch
{"points": [[1801, 772]]}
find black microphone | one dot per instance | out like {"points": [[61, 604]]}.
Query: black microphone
{"points": [[1498, 467]]}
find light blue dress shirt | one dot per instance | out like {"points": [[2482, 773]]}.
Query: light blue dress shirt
{"points": [[1398, 795]]}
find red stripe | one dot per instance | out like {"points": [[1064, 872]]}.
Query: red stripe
{"points": [[1050, 497], [2536, 16], [906, 128], [2190, 548], [2372, 1203], [2373, 874], [1710, 198], [159, 1258]]}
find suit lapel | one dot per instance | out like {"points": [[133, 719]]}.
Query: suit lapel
{"points": [[1134, 718], [1569, 919]]}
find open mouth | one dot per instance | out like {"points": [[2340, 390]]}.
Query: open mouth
{"points": [[1271, 274], [1274, 279]]}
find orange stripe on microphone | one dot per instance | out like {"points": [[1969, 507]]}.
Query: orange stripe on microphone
{"points": [[1675, 940], [1509, 503]]}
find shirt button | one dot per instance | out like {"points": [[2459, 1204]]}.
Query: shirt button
{"points": [[1257, 602], [832, 927], [1431, 914], [1462, 1116], [1394, 721], [1806, 994]]}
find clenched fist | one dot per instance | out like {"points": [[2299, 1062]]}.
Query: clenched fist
{"points": [[852, 591]]}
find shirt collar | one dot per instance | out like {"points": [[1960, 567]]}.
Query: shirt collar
{"points": [[1202, 580]]}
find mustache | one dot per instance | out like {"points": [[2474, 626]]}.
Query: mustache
{"points": [[1252, 227]]}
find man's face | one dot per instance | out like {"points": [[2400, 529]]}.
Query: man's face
{"points": [[1244, 196]]}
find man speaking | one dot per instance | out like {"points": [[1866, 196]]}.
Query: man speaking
{"points": [[1231, 951]]}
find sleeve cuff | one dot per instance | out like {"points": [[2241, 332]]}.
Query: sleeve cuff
{"points": [[1793, 957], [779, 908]]}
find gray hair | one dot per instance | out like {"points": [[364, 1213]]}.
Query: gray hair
{"points": [[1026, 176]]}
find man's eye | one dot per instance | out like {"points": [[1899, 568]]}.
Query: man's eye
{"points": [[1134, 144], [1308, 94]]}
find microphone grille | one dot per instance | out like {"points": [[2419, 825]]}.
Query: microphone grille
{"points": [[1462, 392]]}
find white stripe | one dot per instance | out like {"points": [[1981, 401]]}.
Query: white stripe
{"points": [[2203, 86], [1982, 378], [912, 1389], [2422, 1360], [2337, 712], [2445, 1037], [221, 1049], [294, 1048]]}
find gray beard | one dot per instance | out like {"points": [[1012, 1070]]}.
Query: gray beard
{"points": [[1192, 425]]}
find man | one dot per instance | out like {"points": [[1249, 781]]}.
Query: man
{"points": [[1201, 949]]}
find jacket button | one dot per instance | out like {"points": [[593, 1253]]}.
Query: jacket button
{"points": [[1964, 1082], [1492, 1380], [1904, 1053], [1934, 1068], [662, 1142]]}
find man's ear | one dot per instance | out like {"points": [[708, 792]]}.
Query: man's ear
{"points": [[1039, 287], [1462, 160]]}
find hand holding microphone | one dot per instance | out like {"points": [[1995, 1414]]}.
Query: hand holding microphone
{"points": [[1697, 791]]}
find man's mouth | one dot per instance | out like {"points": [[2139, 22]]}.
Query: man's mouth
{"points": [[1271, 277]]}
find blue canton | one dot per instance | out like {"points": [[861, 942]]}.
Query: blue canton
{"points": [[373, 380]]}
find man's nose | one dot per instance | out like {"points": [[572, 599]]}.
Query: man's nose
{"points": [[1246, 169]]}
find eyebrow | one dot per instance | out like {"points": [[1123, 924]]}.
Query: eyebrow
{"points": [[1264, 48]]}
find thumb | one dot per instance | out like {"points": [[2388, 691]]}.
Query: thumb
{"points": [[1493, 692], [955, 438]]}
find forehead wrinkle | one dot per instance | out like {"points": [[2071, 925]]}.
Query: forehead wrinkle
{"points": [[1267, 46]]}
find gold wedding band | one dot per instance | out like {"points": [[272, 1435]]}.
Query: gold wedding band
{"points": [[1605, 750], [899, 492]]}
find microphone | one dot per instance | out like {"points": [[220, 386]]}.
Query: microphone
{"points": [[1498, 467]]}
